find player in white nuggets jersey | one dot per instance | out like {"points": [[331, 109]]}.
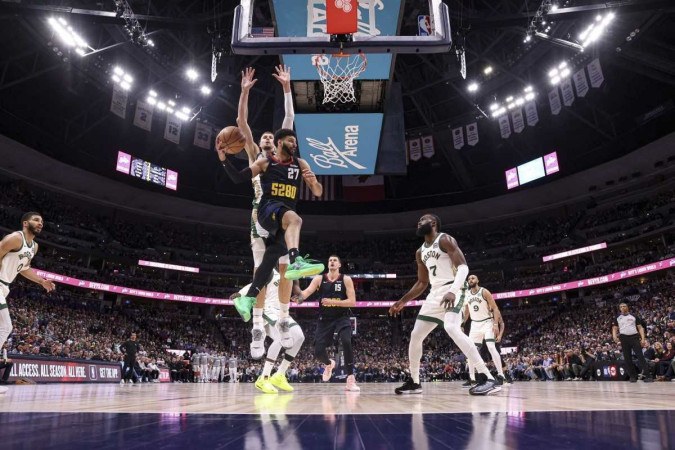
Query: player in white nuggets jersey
{"points": [[485, 317], [266, 383], [16, 253], [441, 263]]}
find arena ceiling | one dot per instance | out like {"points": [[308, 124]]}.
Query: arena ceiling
{"points": [[59, 103]]}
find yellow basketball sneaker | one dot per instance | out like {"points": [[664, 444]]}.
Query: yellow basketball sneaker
{"points": [[263, 384], [279, 380]]}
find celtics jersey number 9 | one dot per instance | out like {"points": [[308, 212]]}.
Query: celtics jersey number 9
{"points": [[438, 263]]}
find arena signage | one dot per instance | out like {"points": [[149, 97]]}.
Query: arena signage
{"points": [[339, 144], [64, 371], [664, 264], [576, 251], [297, 18]]}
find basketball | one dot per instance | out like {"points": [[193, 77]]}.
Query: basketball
{"points": [[230, 139]]}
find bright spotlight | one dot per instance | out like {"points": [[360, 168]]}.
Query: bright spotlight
{"points": [[116, 79], [487, 70], [118, 70], [152, 93], [562, 65], [185, 109], [205, 90], [473, 87], [125, 85], [80, 51], [528, 89], [529, 96], [151, 43], [169, 109], [528, 38], [509, 99], [565, 73], [191, 74], [128, 78], [554, 7], [494, 107], [151, 100], [552, 73], [555, 80], [161, 106], [171, 103]]}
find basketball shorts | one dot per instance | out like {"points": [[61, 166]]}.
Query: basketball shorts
{"points": [[482, 330], [432, 311], [269, 217]]}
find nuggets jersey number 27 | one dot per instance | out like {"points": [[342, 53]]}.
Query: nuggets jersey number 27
{"points": [[281, 181], [438, 263]]}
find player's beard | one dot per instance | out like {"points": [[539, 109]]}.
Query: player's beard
{"points": [[424, 229], [33, 229], [288, 150]]}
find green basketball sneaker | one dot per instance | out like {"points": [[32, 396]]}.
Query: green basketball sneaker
{"points": [[303, 268], [263, 384], [279, 380], [244, 306]]}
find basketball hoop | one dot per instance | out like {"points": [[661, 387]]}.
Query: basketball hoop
{"points": [[337, 73]]}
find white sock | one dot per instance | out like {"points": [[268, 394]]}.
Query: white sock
{"points": [[452, 325], [267, 369], [496, 357], [257, 317], [472, 371], [420, 331], [283, 310]]}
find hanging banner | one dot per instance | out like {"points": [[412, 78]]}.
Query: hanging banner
{"points": [[531, 114], [554, 100], [504, 126], [518, 121], [118, 105], [428, 146], [580, 83], [415, 149], [203, 136], [172, 130], [472, 134], [595, 73], [143, 116], [458, 138], [567, 91]]}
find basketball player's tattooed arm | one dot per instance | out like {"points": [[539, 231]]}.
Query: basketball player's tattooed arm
{"points": [[283, 76], [247, 82], [312, 288], [496, 315], [417, 289], [449, 245], [310, 178], [30, 274], [349, 302]]}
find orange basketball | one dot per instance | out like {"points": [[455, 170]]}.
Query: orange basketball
{"points": [[230, 139]]}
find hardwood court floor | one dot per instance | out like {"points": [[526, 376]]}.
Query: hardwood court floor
{"points": [[533, 415]]}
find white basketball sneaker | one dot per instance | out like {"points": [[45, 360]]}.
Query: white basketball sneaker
{"points": [[284, 327], [351, 384], [258, 342], [3, 389]]}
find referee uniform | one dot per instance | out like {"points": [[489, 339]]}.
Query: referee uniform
{"points": [[629, 336]]}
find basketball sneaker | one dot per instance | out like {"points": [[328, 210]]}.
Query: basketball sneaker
{"points": [[3, 389], [328, 371], [263, 384], [409, 387], [469, 383], [244, 306], [279, 380], [258, 342], [351, 384], [485, 388], [284, 327], [303, 268]]}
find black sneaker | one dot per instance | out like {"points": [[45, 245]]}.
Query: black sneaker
{"points": [[499, 381], [648, 380], [488, 387], [409, 387], [469, 383]]}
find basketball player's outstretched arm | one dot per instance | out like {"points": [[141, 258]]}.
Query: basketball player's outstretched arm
{"points": [[283, 76], [349, 302], [247, 82], [312, 288], [496, 314], [310, 178], [30, 274], [449, 245], [240, 176], [417, 289]]}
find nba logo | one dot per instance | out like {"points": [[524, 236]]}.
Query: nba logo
{"points": [[423, 26], [92, 373]]}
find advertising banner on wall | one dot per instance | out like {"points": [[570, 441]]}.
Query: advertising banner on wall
{"points": [[47, 370]]}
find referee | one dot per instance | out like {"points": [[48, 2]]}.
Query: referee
{"points": [[628, 326]]}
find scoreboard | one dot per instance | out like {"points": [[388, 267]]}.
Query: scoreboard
{"points": [[145, 170]]}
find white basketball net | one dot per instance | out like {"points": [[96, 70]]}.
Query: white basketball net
{"points": [[337, 74]]}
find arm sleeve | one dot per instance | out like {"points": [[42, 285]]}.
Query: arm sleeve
{"points": [[460, 278], [290, 113], [236, 175]]}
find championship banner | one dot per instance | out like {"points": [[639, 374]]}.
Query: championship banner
{"points": [[172, 130], [428, 146], [504, 126], [554, 100], [580, 82], [595, 73], [458, 137], [48, 370], [567, 91], [118, 105], [415, 149], [472, 134], [203, 136], [518, 120], [143, 116], [339, 144], [531, 114]]}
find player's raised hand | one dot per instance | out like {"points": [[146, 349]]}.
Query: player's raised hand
{"points": [[283, 75], [247, 80]]}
